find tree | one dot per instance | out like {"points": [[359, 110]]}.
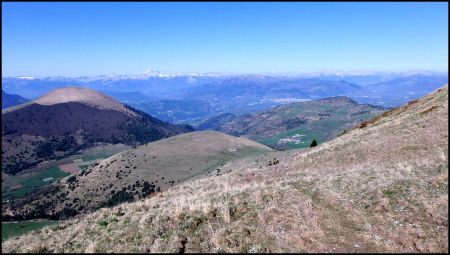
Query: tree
{"points": [[313, 143]]}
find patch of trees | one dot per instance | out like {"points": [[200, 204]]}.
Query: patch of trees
{"points": [[15, 166], [66, 213], [85, 169], [42, 209], [71, 179], [46, 149], [7, 131], [141, 131], [360, 113], [118, 198], [274, 162], [147, 189], [293, 122]]}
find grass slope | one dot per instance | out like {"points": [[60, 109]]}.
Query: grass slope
{"points": [[381, 187], [299, 123], [135, 174]]}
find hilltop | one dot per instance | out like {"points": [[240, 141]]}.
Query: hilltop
{"points": [[70, 119], [83, 95], [295, 125], [135, 174], [381, 187]]}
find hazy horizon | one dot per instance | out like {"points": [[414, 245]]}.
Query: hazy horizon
{"points": [[149, 73]]}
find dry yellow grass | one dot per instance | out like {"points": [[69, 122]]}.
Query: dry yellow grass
{"points": [[381, 188]]}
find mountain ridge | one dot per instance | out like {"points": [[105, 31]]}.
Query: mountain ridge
{"points": [[9, 100]]}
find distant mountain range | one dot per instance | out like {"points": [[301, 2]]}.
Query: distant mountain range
{"points": [[395, 92], [70, 119], [11, 100], [238, 93]]}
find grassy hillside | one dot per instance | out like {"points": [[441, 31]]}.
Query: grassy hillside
{"points": [[295, 125], [135, 174], [215, 122], [382, 187]]}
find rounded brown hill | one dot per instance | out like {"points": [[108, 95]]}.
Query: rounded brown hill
{"points": [[83, 95], [138, 172], [69, 119]]}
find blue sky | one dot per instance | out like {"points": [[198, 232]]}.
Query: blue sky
{"points": [[75, 39]]}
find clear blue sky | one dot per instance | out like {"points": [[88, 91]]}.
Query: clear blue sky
{"points": [[74, 39]]}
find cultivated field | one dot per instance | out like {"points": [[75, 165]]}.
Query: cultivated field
{"points": [[14, 229], [47, 172]]}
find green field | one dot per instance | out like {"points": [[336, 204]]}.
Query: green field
{"points": [[321, 130], [34, 182], [217, 161], [307, 139], [11, 229], [88, 156], [30, 183], [37, 180], [94, 156]]}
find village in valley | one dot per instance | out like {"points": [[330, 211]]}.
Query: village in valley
{"points": [[296, 139]]}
